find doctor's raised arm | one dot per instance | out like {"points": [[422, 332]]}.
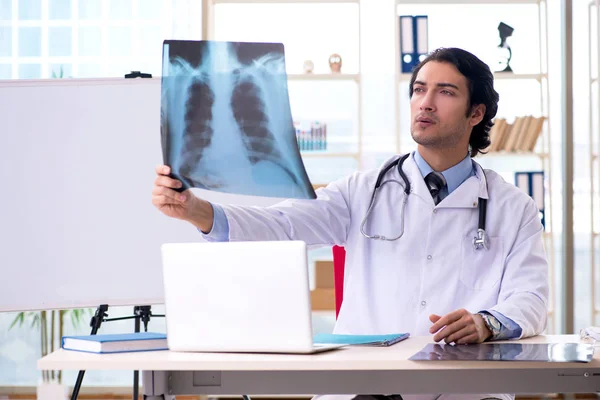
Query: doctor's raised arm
{"points": [[435, 244]]}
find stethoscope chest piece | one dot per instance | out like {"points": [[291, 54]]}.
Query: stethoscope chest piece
{"points": [[481, 241]]}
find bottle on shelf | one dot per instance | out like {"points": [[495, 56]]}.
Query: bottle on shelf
{"points": [[311, 136]]}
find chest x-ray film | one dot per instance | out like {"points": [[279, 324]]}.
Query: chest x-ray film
{"points": [[226, 122], [540, 352]]}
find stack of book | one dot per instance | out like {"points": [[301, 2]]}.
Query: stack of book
{"points": [[520, 136]]}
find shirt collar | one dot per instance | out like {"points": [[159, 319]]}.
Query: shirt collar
{"points": [[454, 176]]}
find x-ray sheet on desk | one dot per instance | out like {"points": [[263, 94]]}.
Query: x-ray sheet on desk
{"points": [[542, 352], [226, 122]]}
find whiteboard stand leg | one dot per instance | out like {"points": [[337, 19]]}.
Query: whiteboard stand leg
{"points": [[141, 314], [95, 324]]}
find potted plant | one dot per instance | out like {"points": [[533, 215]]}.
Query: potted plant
{"points": [[51, 326]]}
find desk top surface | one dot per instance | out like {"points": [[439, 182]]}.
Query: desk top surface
{"points": [[395, 357]]}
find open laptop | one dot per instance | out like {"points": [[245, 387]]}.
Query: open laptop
{"points": [[238, 297]]}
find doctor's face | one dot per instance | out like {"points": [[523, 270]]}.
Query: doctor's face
{"points": [[440, 115]]}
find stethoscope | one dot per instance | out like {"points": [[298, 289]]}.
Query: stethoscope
{"points": [[481, 241]]}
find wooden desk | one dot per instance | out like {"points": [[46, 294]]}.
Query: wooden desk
{"points": [[345, 371]]}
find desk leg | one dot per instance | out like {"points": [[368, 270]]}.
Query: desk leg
{"points": [[156, 385]]}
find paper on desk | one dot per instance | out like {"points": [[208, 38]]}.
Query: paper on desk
{"points": [[509, 351], [365, 340]]}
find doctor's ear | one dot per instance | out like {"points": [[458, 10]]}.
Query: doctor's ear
{"points": [[477, 113]]}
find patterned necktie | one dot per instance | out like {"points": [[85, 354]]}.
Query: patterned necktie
{"points": [[435, 183]]}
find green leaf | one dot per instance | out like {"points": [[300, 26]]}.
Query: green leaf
{"points": [[19, 319], [78, 315], [35, 321]]}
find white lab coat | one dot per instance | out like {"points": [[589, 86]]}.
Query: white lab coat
{"points": [[433, 268]]}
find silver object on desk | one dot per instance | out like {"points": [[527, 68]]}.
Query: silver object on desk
{"points": [[540, 352]]}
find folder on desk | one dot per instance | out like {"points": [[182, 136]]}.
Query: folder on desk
{"points": [[360, 340]]}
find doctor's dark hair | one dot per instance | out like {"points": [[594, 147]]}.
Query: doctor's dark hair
{"points": [[481, 90]]}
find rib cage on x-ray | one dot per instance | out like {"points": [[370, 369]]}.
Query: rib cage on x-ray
{"points": [[198, 114], [246, 103], [228, 121]]}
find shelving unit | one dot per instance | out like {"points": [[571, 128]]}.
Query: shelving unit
{"points": [[594, 146], [324, 77], [541, 156], [543, 149], [209, 33]]}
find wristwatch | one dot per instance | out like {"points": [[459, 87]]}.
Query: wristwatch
{"points": [[492, 324]]}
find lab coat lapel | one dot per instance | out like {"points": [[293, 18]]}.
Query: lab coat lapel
{"points": [[417, 183], [468, 193]]}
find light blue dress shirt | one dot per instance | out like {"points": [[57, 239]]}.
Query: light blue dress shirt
{"points": [[220, 228], [454, 176]]}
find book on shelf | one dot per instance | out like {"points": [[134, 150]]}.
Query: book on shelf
{"points": [[520, 136], [116, 343]]}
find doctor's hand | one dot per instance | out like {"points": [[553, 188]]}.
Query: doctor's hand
{"points": [[459, 327], [184, 206]]}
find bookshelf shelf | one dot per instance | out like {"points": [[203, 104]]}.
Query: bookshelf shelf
{"points": [[326, 154], [511, 76], [405, 77], [516, 154], [324, 77], [458, 2], [283, 1]]}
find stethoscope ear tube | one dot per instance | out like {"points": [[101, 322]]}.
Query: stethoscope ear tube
{"points": [[480, 241], [482, 213]]}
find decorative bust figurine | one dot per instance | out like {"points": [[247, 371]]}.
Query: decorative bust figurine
{"points": [[308, 67], [504, 50], [335, 63]]}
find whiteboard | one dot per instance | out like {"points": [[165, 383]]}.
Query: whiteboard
{"points": [[77, 224]]}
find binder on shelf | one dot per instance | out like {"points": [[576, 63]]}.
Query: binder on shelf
{"points": [[414, 41], [532, 183], [421, 37], [407, 43]]}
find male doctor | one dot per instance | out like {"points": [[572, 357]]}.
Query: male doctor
{"points": [[433, 279]]}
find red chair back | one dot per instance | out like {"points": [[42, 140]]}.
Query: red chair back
{"points": [[339, 260]]}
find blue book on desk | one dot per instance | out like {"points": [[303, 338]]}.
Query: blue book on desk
{"points": [[116, 343], [360, 340]]}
